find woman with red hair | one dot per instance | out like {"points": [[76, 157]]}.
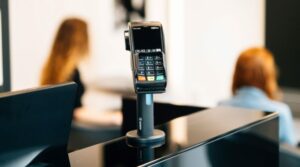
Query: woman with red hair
{"points": [[70, 46], [254, 86]]}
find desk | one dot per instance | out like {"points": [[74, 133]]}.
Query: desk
{"points": [[213, 137]]}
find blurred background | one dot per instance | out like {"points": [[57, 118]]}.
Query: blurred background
{"points": [[203, 39]]}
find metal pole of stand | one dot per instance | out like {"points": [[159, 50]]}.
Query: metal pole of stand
{"points": [[145, 123], [145, 154], [145, 135]]}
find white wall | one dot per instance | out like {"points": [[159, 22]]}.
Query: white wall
{"points": [[1, 56], [216, 32]]}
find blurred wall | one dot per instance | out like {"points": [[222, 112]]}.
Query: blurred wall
{"points": [[216, 32], [1, 56]]}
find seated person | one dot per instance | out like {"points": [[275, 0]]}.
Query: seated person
{"points": [[254, 86], [70, 47]]}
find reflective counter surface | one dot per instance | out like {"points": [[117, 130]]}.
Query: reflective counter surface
{"points": [[210, 138], [213, 137]]}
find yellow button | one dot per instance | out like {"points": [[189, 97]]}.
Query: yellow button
{"points": [[151, 78], [141, 78]]}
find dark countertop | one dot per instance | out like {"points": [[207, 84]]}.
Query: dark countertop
{"points": [[215, 137], [183, 135]]}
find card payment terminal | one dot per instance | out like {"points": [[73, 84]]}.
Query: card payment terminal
{"points": [[145, 40]]}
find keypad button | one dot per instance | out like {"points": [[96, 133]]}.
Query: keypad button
{"points": [[160, 77], [141, 72], [149, 62], [152, 78], [141, 62], [157, 57], [149, 68], [160, 72], [150, 72], [140, 68], [159, 67], [141, 78], [158, 62], [141, 58], [148, 57]]}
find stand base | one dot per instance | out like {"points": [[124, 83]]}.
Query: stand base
{"points": [[157, 139]]}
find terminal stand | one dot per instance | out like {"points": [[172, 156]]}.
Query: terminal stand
{"points": [[145, 135]]}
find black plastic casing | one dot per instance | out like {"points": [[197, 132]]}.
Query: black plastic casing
{"points": [[145, 86]]}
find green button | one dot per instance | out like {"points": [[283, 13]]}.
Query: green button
{"points": [[160, 77]]}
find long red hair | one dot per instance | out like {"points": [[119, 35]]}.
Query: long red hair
{"points": [[71, 44], [256, 67]]}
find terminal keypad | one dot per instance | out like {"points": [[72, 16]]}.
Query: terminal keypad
{"points": [[150, 67]]}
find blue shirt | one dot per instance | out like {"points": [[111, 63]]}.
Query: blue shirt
{"points": [[254, 98]]}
